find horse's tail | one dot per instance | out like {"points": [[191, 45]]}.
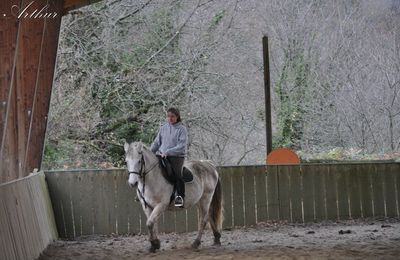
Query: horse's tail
{"points": [[216, 206]]}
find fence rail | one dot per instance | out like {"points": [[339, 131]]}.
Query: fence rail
{"points": [[27, 223], [100, 201]]}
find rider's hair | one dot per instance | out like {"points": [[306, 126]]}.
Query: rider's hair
{"points": [[175, 111]]}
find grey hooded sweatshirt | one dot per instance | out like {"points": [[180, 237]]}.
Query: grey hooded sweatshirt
{"points": [[171, 140]]}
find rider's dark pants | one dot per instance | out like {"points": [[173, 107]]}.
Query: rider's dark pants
{"points": [[177, 166]]}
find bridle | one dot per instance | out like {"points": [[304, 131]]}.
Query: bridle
{"points": [[142, 174], [142, 166]]}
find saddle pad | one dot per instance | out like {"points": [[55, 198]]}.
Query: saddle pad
{"points": [[187, 175]]}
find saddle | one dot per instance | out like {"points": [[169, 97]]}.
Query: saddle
{"points": [[169, 174]]}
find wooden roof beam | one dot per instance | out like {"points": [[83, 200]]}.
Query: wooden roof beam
{"points": [[74, 4]]}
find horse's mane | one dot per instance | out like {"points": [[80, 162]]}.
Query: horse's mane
{"points": [[144, 147]]}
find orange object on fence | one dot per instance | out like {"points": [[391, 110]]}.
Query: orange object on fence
{"points": [[282, 156]]}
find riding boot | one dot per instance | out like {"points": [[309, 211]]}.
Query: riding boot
{"points": [[180, 187], [177, 165]]}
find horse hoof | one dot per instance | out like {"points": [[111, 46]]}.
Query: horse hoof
{"points": [[196, 244], [155, 244], [217, 243]]}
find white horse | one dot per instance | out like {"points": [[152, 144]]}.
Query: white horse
{"points": [[154, 191]]}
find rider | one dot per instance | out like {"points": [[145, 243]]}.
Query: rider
{"points": [[170, 143]]}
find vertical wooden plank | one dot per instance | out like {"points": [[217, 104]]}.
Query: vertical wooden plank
{"points": [[261, 194], [396, 172], [143, 218], [342, 190], [137, 223], [284, 190], [104, 202], [377, 177], [238, 197], [295, 193], [48, 209], [192, 219], [5, 234], [320, 191], [364, 171], [110, 194], [273, 192], [124, 201], [17, 222], [169, 222], [85, 202], [64, 191], [354, 191], [52, 180], [76, 196], [28, 225], [121, 210], [14, 225], [99, 216], [308, 192], [67, 204], [6, 246], [24, 222], [390, 190], [330, 192], [248, 174], [180, 221], [31, 212], [226, 183]]}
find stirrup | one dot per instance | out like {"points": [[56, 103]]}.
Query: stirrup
{"points": [[178, 201]]}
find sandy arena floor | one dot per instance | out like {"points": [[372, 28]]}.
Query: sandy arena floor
{"points": [[345, 240]]}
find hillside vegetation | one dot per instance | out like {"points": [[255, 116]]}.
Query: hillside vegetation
{"points": [[335, 72]]}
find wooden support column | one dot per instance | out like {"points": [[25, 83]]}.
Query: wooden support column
{"points": [[267, 91], [28, 48]]}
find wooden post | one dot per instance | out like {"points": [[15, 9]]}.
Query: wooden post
{"points": [[27, 57], [267, 91]]}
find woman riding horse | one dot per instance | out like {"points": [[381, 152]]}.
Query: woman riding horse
{"points": [[170, 143]]}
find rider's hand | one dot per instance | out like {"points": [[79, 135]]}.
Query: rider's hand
{"points": [[163, 155]]}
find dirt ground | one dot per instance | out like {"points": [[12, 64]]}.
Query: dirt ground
{"points": [[371, 239]]}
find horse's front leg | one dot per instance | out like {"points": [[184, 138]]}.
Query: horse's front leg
{"points": [[152, 226]]}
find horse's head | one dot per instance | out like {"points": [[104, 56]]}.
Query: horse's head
{"points": [[134, 161]]}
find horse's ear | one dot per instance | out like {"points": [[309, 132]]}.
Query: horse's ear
{"points": [[126, 147], [140, 146]]}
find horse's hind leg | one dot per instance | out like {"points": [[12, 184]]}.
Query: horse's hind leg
{"points": [[216, 232], [204, 206]]}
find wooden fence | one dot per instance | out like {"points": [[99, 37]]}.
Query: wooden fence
{"points": [[27, 222], [100, 201]]}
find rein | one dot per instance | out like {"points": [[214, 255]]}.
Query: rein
{"points": [[142, 174]]}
